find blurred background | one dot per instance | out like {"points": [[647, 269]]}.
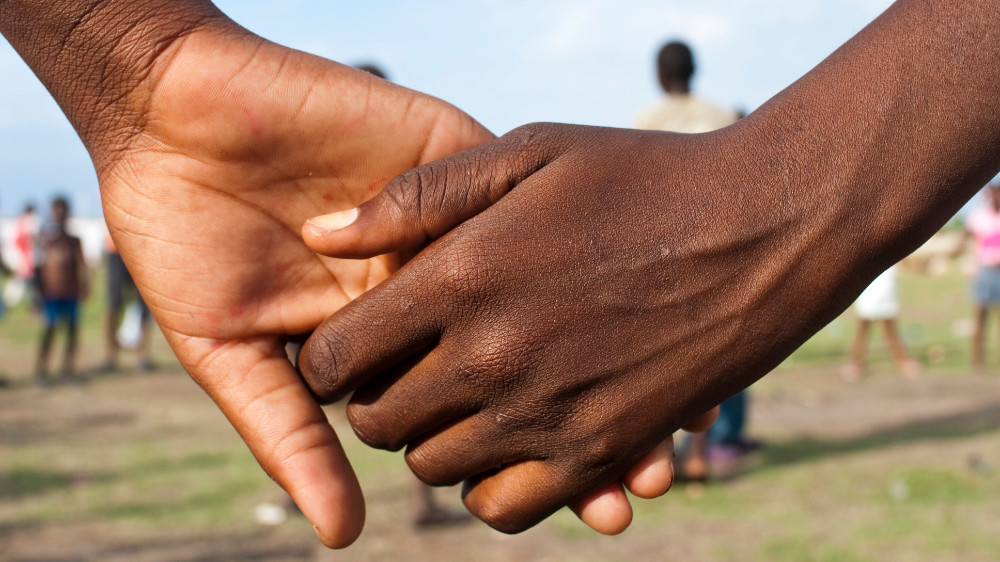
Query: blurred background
{"points": [[845, 452]]}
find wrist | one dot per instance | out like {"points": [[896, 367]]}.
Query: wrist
{"points": [[96, 58]]}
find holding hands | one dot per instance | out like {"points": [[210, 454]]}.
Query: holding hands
{"points": [[212, 147], [245, 140], [533, 384], [585, 291]]}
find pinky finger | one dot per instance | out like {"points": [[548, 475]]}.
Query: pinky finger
{"points": [[703, 422], [606, 511], [653, 475]]}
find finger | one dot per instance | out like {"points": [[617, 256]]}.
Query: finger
{"points": [[462, 450], [423, 204], [420, 397], [703, 422], [518, 496], [653, 475], [371, 336], [606, 511], [260, 393]]}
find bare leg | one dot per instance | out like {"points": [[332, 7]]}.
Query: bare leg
{"points": [[855, 370], [696, 459], [111, 317], [421, 498], [69, 360], [906, 365], [426, 511], [984, 339], [978, 340], [145, 360], [41, 367]]}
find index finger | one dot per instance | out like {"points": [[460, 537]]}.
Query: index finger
{"points": [[373, 334], [263, 397]]}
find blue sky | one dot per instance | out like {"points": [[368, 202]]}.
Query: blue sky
{"points": [[506, 62]]}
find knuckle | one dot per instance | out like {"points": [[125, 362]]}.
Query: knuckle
{"points": [[369, 428], [500, 516], [501, 359], [602, 452], [418, 197], [424, 190], [319, 363], [535, 136], [525, 133], [458, 276], [429, 469], [402, 196], [464, 185]]}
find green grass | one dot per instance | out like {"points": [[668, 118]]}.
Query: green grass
{"points": [[147, 487], [23, 481], [805, 547], [817, 496], [934, 309]]}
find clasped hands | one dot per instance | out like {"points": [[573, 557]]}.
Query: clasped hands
{"points": [[541, 351], [579, 293]]}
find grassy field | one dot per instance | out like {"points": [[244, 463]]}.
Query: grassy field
{"points": [[138, 466]]}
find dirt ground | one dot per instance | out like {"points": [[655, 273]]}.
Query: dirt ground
{"points": [[68, 453], [142, 467]]}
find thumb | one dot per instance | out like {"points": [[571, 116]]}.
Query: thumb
{"points": [[423, 204]]}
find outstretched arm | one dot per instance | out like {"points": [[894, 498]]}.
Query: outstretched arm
{"points": [[212, 146], [615, 282]]}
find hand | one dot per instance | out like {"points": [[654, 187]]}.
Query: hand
{"points": [[608, 511], [623, 281], [539, 348], [243, 141], [212, 146], [230, 170]]}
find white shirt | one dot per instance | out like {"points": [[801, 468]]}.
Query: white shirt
{"points": [[684, 113]]}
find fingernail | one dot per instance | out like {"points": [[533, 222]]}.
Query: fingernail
{"points": [[334, 221], [319, 534]]}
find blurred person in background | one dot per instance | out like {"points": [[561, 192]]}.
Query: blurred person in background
{"points": [[879, 303], [62, 284], [681, 111], [983, 226], [5, 273], [25, 259], [121, 288]]}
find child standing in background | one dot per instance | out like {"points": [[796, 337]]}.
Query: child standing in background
{"points": [[879, 303], [983, 226], [62, 283]]}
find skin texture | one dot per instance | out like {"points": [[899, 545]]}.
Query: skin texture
{"points": [[211, 152], [212, 147], [610, 284], [243, 143]]}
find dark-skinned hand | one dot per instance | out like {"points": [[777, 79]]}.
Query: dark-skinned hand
{"points": [[212, 147], [615, 283], [539, 382]]}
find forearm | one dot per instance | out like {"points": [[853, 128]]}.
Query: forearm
{"points": [[896, 130], [95, 56], [840, 175]]}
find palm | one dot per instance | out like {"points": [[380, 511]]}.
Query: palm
{"points": [[244, 141]]}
